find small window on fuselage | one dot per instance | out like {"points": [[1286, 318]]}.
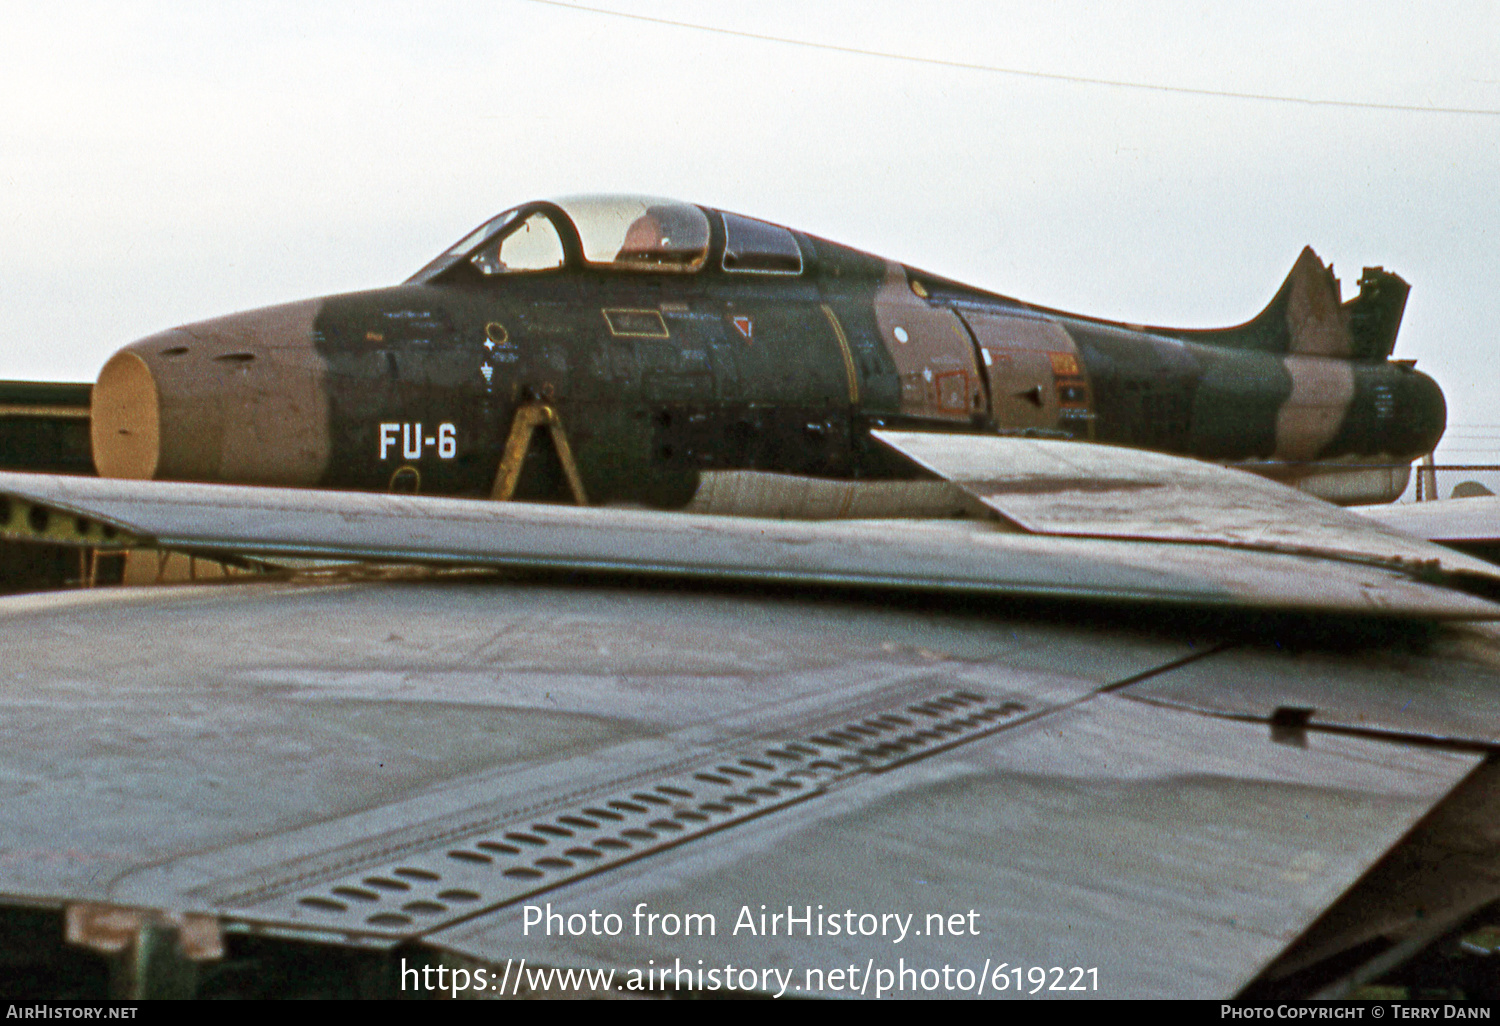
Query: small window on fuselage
{"points": [[532, 245], [755, 247]]}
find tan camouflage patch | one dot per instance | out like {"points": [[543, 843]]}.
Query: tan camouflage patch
{"points": [[1030, 363], [261, 375], [932, 352], [1322, 390], [1314, 320], [124, 421]]}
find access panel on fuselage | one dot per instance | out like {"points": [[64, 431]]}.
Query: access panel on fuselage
{"points": [[713, 372], [1035, 377], [786, 390], [934, 355], [394, 413], [1143, 386]]}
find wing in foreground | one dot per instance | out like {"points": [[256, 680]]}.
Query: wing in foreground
{"points": [[1412, 578], [933, 794], [930, 788]]}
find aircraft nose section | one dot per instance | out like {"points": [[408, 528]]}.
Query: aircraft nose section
{"points": [[236, 399], [125, 419]]}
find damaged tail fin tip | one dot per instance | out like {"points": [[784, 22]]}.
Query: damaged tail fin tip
{"points": [[1374, 316], [1318, 324], [1307, 316]]}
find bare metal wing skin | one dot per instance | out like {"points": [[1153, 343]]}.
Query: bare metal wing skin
{"points": [[1305, 554], [1472, 521], [858, 757], [424, 769], [1073, 489]]}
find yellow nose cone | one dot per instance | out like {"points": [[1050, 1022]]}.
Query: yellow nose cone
{"points": [[125, 420]]}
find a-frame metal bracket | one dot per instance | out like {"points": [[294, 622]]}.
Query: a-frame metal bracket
{"points": [[529, 417]]}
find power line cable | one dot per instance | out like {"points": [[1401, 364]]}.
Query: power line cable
{"points": [[1022, 72]]}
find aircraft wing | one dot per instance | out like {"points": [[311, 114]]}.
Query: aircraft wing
{"points": [[931, 778], [409, 768], [1473, 521], [1079, 489], [1346, 565]]}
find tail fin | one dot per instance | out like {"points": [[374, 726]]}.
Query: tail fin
{"points": [[1374, 316], [1310, 303], [1305, 317]]}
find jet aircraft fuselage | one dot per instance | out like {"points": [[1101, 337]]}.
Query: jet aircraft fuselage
{"points": [[669, 340]]}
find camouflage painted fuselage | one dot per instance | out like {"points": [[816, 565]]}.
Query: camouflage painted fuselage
{"points": [[658, 377]]}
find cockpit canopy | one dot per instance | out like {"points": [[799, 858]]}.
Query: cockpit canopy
{"points": [[618, 233], [639, 233]]}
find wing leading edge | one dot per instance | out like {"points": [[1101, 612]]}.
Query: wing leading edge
{"points": [[953, 556], [426, 766]]}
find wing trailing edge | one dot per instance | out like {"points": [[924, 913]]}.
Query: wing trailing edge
{"points": [[1083, 490]]}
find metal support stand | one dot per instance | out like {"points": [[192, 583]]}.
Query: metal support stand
{"points": [[1427, 480], [528, 418]]}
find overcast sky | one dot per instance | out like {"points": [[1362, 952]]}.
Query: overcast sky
{"points": [[163, 163]]}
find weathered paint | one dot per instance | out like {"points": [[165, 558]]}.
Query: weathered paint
{"points": [[226, 771], [1032, 368], [933, 355], [662, 377], [1322, 389], [241, 399], [1312, 315]]}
